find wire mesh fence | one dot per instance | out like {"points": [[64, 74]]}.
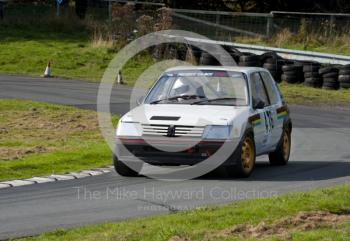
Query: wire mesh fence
{"points": [[225, 25], [216, 25]]}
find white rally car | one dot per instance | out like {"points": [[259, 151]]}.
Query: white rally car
{"points": [[191, 112]]}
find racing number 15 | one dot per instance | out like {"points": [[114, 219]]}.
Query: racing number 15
{"points": [[268, 121]]}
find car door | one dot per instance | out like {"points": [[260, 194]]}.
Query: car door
{"points": [[276, 126], [262, 116]]}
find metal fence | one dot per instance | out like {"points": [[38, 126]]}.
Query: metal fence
{"points": [[216, 25], [220, 25], [224, 25]]}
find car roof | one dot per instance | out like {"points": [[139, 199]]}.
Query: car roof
{"points": [[246, 70]]}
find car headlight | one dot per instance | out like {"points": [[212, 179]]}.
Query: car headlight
{"points": [[217, 132], [129, 129]]}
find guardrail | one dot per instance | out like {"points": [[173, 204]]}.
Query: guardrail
{"points": [[285, 53]]}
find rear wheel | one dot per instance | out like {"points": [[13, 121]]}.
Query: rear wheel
{"points": [[123, 170], [281, 155]]}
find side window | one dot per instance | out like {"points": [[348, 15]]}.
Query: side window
{"points": [[270, 87], [258, 89]]}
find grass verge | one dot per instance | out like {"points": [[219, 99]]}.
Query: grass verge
{"points": [[302, 216], [303, 95], [28, 43], [78, 52], [40, 139], [73, 55], [307, 41]]}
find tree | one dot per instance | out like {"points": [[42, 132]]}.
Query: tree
{"points": [[81, 8]]}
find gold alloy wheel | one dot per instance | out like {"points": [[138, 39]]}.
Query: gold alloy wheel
{"points": [[248, 154], [286, 146]]}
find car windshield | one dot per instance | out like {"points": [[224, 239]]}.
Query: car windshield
{"points": [[200, 88]]}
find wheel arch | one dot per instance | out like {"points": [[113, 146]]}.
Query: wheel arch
{"points": [[287, 125]]}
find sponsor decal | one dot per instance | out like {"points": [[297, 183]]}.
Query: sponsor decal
{"points": [[282, 112], [255, 120]]}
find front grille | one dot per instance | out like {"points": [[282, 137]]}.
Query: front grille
{"points": [[180, 131]]}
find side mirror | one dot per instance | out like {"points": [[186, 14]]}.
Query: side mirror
{"points": [[140, 100], [258, 104]]}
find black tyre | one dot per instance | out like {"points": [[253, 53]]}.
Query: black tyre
{"points": [[271, 61], [274, 74], [344, 85], [207, 59], [269, 56], [313, 85], [330, 84], [304, 63], [330, 88], [292, 73], [270, 66], [311, 68], [290, 78], [245, 162], [344, 78], [313, 80], [344, 72], [272, 71], [330, 75], [124, 170], [345, 67], [249, 64], [286, 68], [330, 80], [327, 70], [281, 155], [230, 49], [311, 74], [235, 56], [249, 58]]}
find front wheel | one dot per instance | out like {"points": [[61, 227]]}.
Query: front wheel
{"points": [[280, 156], [245, 160], [123, 170]]}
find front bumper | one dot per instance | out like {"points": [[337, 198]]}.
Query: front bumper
{"points": [[153, 151]]}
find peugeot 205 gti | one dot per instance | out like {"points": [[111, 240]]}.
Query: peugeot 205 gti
{"points": [[191, 112]]}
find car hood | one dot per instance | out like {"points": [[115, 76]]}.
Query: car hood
{"points": [[189, 115]]}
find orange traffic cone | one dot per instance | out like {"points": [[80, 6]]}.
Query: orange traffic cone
{"points": [[47, 73]]}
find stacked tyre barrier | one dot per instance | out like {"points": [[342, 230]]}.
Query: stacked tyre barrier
{"points": [[329, 77], [273, 63], [311, 74], [249, 60], [292, 73], [344, 77], [208, 59]]}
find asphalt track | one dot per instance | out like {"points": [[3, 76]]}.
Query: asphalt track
{"points": [[320, 158]]}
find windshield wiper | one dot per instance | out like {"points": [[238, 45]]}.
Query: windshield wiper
{"points": [[211, 100], [179, 97]]}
